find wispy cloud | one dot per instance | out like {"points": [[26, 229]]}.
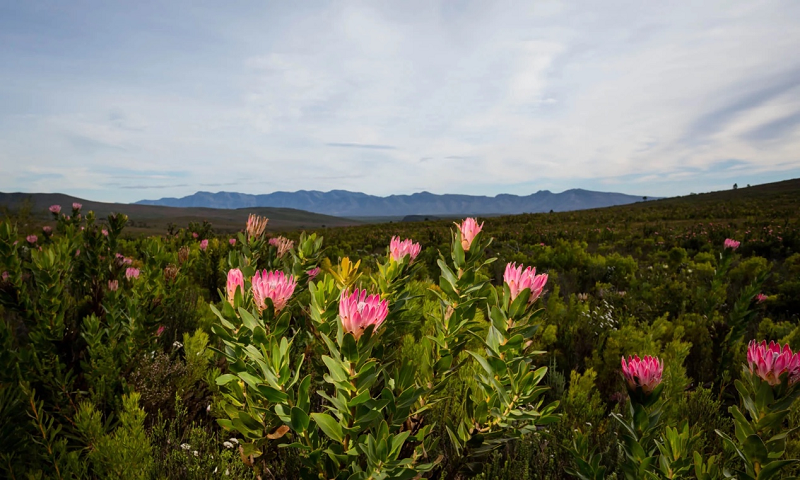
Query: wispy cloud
{"points": [[362, 145], [465, 97]]}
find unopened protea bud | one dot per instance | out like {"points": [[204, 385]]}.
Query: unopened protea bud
{"points": [[771, 361], [518, 280], [256, 226], [645, 372], [358, 311], [170, 273], [235, 280], [183, 254], [273, 285], [399, 249], [469, 228]]}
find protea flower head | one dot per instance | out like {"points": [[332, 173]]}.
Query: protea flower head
{"points": [[645, 372], [235, 280], [203, 244], [195, 234], [113, 285], [469, 228], [232, 241], [273, 285], [47, 230], [131, 273], [313, 273], [732, 244], [183, 254], [76, 206], [283, 245], [31, 239], [518, 280], [399, 249], [256, 226], [56, 209], [771, 361], [761, 298], [357, 311], [104, 232]]}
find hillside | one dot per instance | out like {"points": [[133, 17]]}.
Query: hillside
{"points": [[355, 204], [155, 219]]}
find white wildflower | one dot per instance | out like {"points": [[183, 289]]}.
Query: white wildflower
{"points": [[234, 440], [227, 444], [177, 344], [186, 446]]}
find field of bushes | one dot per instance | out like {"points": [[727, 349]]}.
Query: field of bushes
{"points": [[633, 350]]}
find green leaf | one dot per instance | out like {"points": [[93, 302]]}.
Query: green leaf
{"points": [[771, 469], [329, 426], [225, 379], [299, 420], [248, 319]]}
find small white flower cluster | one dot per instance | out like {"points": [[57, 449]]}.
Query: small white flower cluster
{"points": [[186, 446], [177, 344], [227, 444], [602, 317]]}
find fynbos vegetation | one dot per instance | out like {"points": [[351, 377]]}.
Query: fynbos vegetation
{"points": [[638, 342]]}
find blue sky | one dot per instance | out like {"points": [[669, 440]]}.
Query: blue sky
{"points": [[121, 101]]}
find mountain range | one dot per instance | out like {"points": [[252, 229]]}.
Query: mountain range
{"points": [[343, 203]]}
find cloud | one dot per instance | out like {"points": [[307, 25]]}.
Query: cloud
{"points": [[464, 97], [362, 145]]}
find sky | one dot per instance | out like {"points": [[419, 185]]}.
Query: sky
{"points": [[123, 101]]}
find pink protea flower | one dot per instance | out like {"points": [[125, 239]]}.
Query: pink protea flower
{"points": [[469, 228], [645, 372], [273, 285], [203, 244], [518, 280], [47, 230], [113, 285], [104, 232], [399, 249], [256, 226], [761, 298], [56, 209], [283, 245], [195, 235], [235, 280], [232, 241], [31, 239], [312, 273], [5, 276], [160, 330], [76, 206], [131, 273], [732, 244], [771, 361], [358, 311]]}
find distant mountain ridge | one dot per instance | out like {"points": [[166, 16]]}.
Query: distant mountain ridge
{"points": [[343, 203]]}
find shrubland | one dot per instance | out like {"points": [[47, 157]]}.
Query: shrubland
{"points": [[650, 341]]}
